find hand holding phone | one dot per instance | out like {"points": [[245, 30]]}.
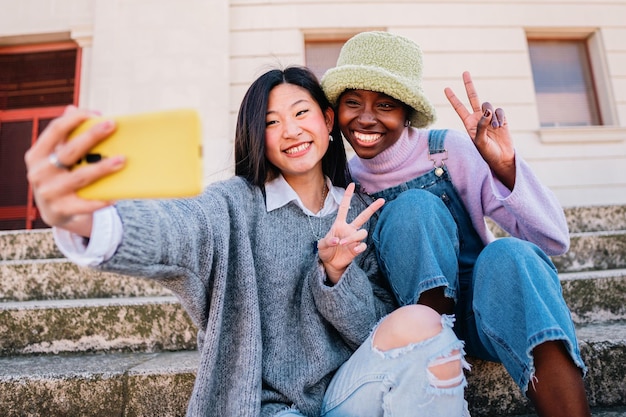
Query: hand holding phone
{"points": [[163, 152]]}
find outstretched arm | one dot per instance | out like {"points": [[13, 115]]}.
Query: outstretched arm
{"points": [[54, 185], [344, 241], [488, 129]]}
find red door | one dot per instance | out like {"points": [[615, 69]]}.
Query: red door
{"points": [[36, 83]]}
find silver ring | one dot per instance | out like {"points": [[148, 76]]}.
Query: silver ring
{"points": [[54, 160]]}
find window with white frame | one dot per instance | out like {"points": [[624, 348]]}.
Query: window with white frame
{"points": [[566, 87]]}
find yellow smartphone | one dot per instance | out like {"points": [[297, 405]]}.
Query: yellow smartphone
{"points": [[163, 153]]}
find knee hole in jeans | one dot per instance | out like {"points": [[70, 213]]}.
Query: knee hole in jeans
{"points": [[447, 371]]}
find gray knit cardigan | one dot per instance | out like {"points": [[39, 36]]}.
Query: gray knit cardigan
{"points": [[270, 333]]}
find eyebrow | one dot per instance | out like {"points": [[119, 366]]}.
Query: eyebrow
{"points": [[291, 106]]}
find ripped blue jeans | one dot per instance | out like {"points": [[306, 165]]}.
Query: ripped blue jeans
{"points": [[398, 382], [508, 295]]}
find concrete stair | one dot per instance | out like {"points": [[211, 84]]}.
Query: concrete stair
{"points": [[76, 342]]}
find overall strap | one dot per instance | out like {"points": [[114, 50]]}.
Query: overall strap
{"points": [[436, 137]]}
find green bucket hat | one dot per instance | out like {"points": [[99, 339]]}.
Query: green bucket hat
{"points": [[382, 62]]}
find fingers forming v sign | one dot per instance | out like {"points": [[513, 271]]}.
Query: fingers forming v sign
{"points": [[470, 120], [489, 131], [344, 241]]}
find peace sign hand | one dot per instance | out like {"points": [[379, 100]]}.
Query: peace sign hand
{"points": [[489, 131], [344, 241]]}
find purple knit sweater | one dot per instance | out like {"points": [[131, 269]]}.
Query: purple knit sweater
{"points": [[530, 211]]}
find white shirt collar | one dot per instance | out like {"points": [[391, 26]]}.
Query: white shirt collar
{"points": [[278, 193]]}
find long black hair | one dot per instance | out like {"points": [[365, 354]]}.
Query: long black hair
{"points": [[250, 160]]}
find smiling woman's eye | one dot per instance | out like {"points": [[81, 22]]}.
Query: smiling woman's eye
{"points": [[387, 106], [301, 112], [350, 102], [270, 122]]}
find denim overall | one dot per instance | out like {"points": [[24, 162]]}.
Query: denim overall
{"points": [[507, 294]]}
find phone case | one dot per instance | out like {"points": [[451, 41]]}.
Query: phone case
{"points": [[163, 153]]}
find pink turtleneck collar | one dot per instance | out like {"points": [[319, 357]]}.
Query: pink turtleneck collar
{"points": [[398, 163]]}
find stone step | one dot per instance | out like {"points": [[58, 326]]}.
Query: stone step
{"points": [[588, 250], [159, 322], [595, 296], [160, 383], [39, 244], [591, 295], [593, 251], [97, 385], [596, 218], [28, 244], [74, 350], [122, 324], [492, 392], [50, 279]]}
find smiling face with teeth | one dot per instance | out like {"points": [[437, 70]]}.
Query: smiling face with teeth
{"points": [[370, 121], [296, 131]]}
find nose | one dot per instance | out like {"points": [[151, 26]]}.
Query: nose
{"points": [[291, 128], [366, 118]]}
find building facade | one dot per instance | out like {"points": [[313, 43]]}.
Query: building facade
{"points": [[557, 67]]}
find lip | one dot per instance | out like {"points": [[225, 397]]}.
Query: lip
{"points": [[298, 149]]}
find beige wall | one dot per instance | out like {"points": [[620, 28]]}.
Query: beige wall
{"points": [[141, 55], [150, 54], [488, 38]]}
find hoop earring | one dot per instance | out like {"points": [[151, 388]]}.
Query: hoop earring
{"points": [[407, 123], [330, 138]]}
